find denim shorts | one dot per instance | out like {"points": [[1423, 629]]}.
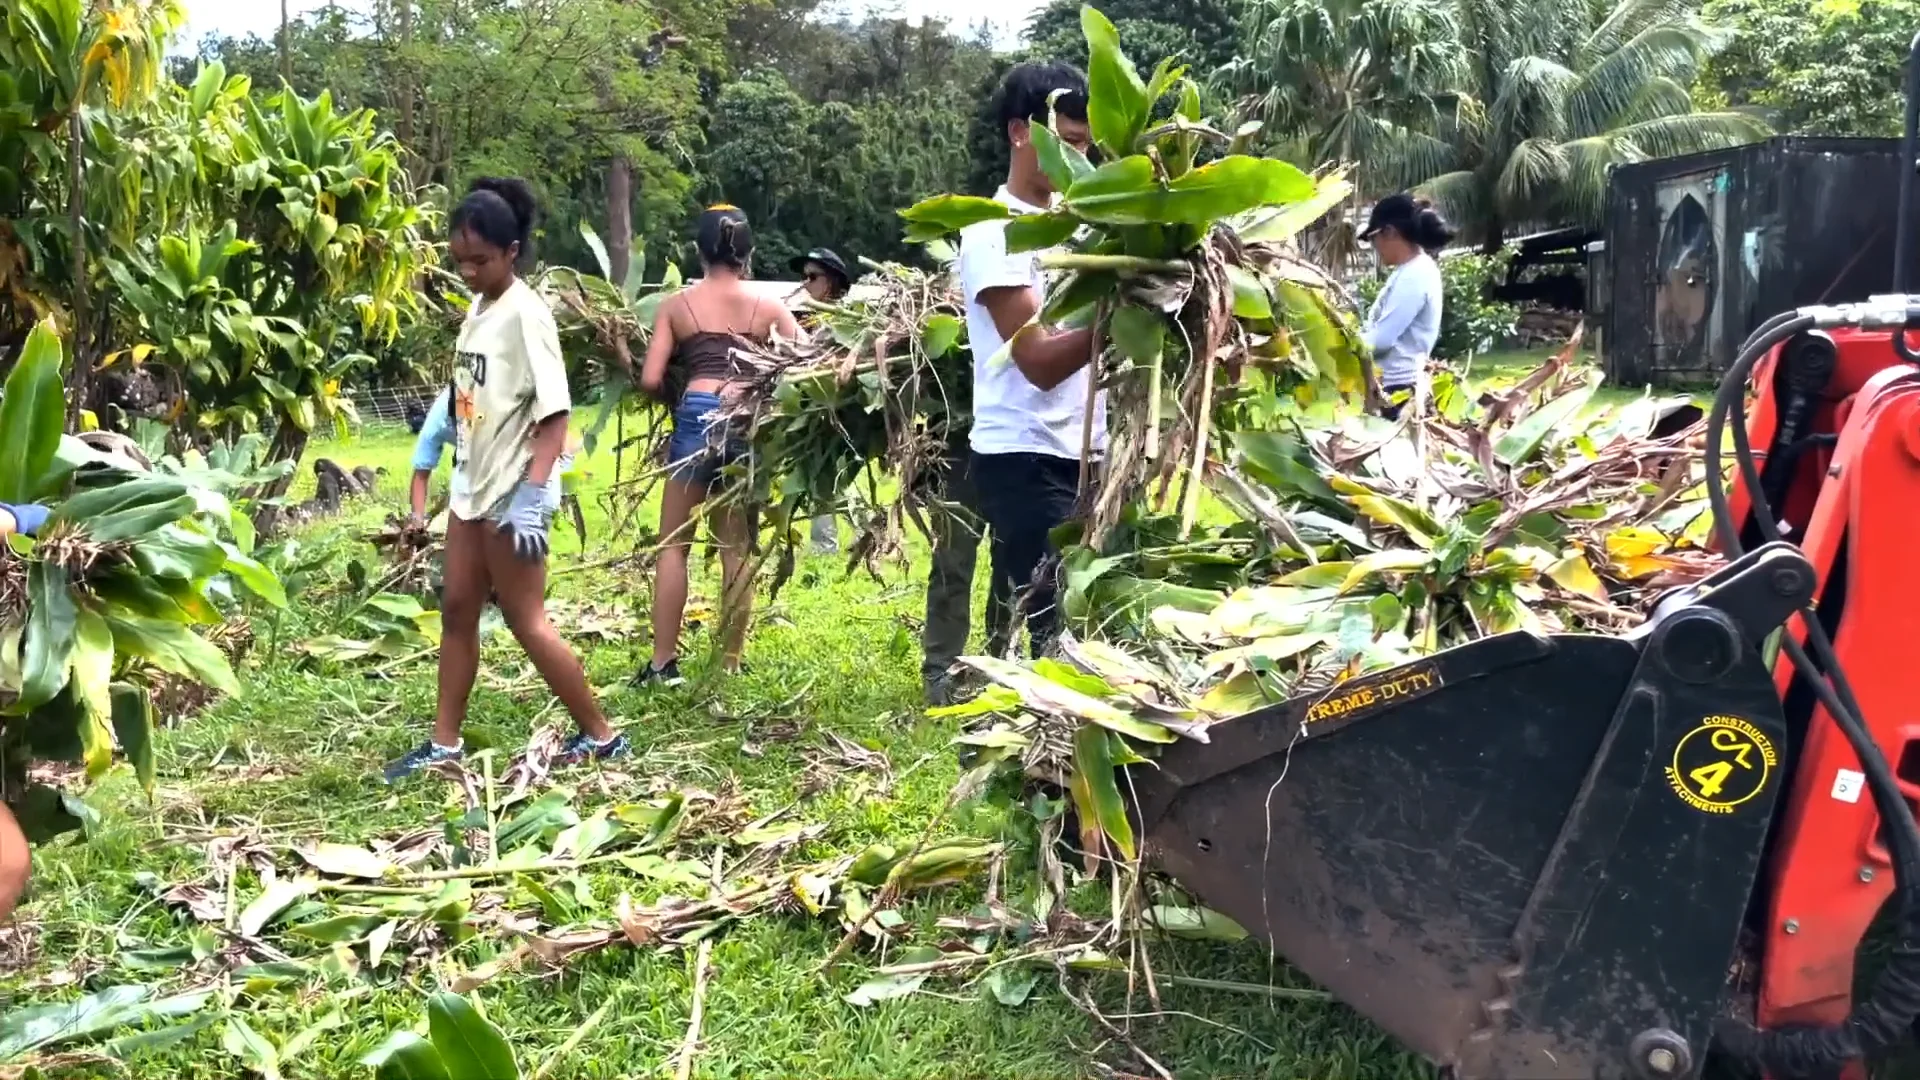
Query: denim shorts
{"points": [[696, 453]]}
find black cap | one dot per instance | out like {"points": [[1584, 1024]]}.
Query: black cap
{"points": [[825, 257], [1399, 211]]}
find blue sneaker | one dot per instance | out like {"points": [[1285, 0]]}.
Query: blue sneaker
{"points": [[420, 757], [580, 748]]}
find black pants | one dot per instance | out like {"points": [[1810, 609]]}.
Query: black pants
{"points": [[1023, 498], [956, 550]]}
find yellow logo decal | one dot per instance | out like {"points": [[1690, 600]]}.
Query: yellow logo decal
{"points": [[1351, 699], [1720, 764]]}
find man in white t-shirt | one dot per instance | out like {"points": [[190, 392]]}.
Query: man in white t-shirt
{"points": [[1029, 406]]}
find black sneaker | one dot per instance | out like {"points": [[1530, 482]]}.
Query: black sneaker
{"points": [[580, 748], [938, 690], [420, 757], [649, 675]]}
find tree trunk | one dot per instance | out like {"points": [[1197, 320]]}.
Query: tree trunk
{"points": [[80, 376], [405, 12], [289, 444], [286, 46], [619, 236], [1495, 238]]}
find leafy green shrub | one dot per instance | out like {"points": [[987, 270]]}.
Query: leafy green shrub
{"points": [[107, 592], [1469, 321]]}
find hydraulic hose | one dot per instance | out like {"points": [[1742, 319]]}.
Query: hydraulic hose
{"points": [[1883, 1017]]}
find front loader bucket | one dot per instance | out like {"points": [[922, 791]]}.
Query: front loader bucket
{"points": [[1526, 857]]}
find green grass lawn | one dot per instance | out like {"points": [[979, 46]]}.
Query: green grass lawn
{"points": [[296, 759]]}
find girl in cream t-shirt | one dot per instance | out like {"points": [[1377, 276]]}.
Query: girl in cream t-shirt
{"points": [[510, 405]]}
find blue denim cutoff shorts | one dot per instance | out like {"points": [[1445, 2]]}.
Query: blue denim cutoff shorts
{"points": [[696, 453]]}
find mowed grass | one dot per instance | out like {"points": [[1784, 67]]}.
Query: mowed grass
{"points": [[297, 759]]}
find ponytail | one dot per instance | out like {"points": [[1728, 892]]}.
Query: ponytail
{"points": [[499, 210], [724, 237]]}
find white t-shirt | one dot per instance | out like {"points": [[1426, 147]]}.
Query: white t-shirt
{"points": [[507, 377], [1010, 414]]}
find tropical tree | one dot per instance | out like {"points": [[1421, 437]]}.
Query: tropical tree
{"points": [[832, 174], [1826, 67], [1555, 93], [67, 70], [1358, 82], [296, 252], [1203, 34], [1348, 80]]}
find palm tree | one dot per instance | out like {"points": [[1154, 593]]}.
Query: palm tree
{"points": [[1351, 81], [1557, 92]]}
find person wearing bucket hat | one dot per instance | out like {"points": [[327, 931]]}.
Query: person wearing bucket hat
{"points": [[1404, 321], [823, 273], [824, 276]]}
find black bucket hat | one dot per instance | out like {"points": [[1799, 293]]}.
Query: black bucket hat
{"points": [[825, 257], [1399, 211]]}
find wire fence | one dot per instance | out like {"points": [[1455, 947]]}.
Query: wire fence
{"points": [[389, 404]]}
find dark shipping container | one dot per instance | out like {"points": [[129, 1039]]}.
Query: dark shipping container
{"points": [[1702, 249]]}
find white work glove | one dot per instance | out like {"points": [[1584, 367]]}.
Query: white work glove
{"points": [[526, 519]]}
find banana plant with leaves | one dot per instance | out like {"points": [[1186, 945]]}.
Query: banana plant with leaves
{"points": [[105, 595], [1182, 264]]}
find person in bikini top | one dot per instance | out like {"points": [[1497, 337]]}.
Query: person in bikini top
{"points": [[696, 332]]}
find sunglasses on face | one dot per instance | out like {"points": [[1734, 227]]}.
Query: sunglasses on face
{"points": [[813, 275]]}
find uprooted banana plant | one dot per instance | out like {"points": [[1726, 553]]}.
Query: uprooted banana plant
{"points": [[103, 598], [1184, 266], [880, 385], [1357, 547]]}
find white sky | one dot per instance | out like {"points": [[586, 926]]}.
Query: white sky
{"points": [[261, 17]]}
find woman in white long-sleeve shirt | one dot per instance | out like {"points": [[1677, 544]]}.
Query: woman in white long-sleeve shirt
{"points": [[1404, 321]]}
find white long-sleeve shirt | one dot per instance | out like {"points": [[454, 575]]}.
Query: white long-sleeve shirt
{"points": [[1404, 321]]}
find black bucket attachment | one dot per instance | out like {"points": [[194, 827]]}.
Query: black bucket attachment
{"points": [[1527, 857]]}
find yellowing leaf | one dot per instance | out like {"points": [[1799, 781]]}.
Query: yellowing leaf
{"points": [[1380, 562], [1576, 575], [1322, 575], [1048, 696], [1240, 694], [91, 667], [1633, 552], [1284, 647], [1417, 524]]}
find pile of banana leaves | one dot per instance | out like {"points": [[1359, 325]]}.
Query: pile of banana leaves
{"points": [[1346, 548], [879, 385]]}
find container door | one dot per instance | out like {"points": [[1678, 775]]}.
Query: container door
{"points": [[1688, 274]]}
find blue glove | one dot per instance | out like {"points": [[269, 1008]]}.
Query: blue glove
{"points": [[526, 518], [27, 517]]}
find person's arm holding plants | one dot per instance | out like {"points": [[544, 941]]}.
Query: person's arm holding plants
{"points": [[1047, 357]]}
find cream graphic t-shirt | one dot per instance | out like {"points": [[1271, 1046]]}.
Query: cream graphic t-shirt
{"points": [[507, 377]]}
